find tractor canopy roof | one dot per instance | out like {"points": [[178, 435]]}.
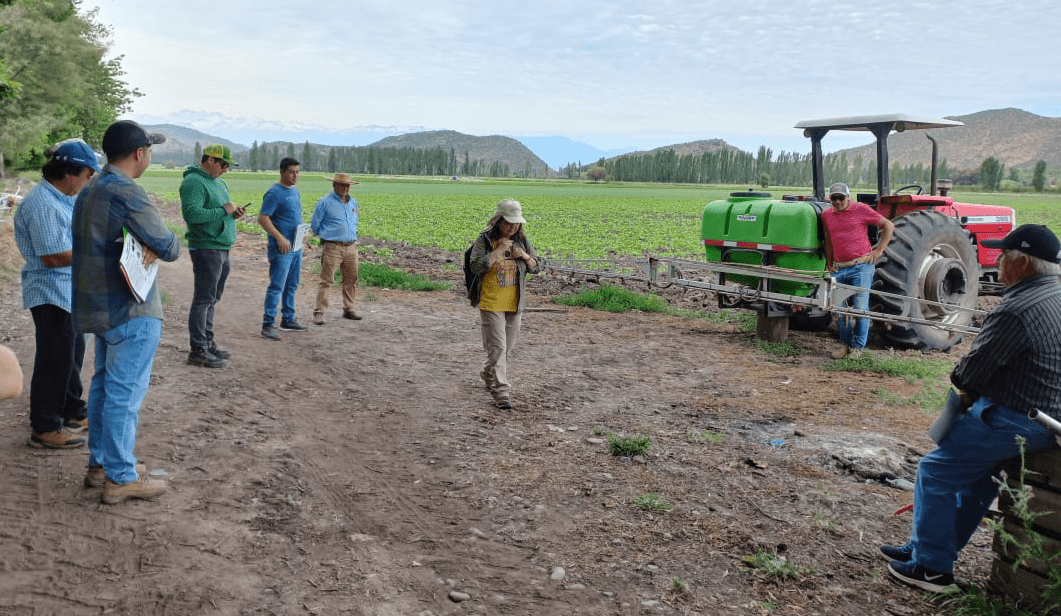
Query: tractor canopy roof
{"points": [[897, 121], [881, 126]]}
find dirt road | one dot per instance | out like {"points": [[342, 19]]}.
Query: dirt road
{"points": [[359, 468]]}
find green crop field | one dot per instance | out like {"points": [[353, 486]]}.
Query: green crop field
{"points": [[564, 218]]}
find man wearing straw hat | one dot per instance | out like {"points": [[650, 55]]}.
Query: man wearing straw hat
{"points": [[334, 221]]}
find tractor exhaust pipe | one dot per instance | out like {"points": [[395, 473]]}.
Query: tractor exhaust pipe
{"points": [[935, 151]]}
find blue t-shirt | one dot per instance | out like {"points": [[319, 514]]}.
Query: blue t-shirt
{"points": [[283, 205]]}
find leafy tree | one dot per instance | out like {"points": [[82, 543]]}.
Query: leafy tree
{"points": [[54, 82], [1039, 177], [1014, 174], [597, 173], [991, 172], [198, 153], [307, 157]]}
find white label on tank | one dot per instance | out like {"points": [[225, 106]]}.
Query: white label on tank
{"points": [[747, 217]]}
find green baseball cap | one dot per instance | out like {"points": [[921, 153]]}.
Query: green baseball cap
{"points": [[219, 151]]}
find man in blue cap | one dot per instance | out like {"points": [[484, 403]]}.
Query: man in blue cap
{"points": [[1013, 366], [57, 413]]}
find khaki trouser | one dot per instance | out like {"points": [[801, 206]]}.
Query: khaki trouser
{"points": [[344, 258], [500, 333]]}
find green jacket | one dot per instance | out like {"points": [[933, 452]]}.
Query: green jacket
{"points": [[203, 200]]}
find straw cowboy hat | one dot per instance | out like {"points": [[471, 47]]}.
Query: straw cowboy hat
{"points": [[342, 178]]}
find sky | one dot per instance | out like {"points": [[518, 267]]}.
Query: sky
{"points": [[614, 74]]}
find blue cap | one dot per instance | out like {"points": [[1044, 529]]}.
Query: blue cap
{"points": [[77, 152]]}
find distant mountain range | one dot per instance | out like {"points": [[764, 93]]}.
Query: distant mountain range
{"points": [[1015, 137]]}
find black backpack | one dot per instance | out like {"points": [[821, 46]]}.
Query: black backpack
{"points": [[470, 278]]}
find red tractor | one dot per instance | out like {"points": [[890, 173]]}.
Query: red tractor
{"points": [[936, 254]]}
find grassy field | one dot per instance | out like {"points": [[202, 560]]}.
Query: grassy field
{"points": [[564, 219]]}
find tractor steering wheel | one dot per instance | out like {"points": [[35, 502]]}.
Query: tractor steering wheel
{"points": [[920, 189]]}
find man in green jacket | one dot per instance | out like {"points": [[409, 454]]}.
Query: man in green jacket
{"points": [[211, 218]]}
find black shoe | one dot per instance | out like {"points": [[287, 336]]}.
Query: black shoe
{"points": [[292, 326], [900, 553], [269, 331], [218, 352], [205, 359], [915, 575], [77, 426]]}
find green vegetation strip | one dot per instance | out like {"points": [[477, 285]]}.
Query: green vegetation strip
{"points": [[376, 275]]}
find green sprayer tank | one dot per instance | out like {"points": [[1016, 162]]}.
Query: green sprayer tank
{"points": [[753, 228]]}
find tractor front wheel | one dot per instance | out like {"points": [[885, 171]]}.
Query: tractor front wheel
{"points": [[931, 257]]}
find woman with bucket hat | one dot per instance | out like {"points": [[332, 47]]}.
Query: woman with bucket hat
{"points": [[500, 259]]}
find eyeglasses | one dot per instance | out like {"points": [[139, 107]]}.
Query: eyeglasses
{"points": [[837, 197]]}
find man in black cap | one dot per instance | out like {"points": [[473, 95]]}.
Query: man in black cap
{"points": [[1014, 366], [127, 330]]}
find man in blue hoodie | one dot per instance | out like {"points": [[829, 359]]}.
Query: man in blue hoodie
{"points": [[211, 218]]}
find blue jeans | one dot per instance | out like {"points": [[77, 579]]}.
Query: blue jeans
{"points": [[210, 268], [860, 276], [956, 482], [283, 282], [124, 356]]}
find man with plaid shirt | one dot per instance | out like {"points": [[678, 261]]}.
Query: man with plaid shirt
{"points": [[127, 331]]}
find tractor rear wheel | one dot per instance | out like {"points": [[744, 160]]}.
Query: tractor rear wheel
{"points": [[930, 257]]}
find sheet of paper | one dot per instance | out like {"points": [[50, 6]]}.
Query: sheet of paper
{"points": [[140, 278]]}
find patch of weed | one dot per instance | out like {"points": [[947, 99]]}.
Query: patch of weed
{"points": [[707, 436], [612, 298], [773, 565], [628, 445], [651, 501], [376, 275], [910, 368], [779, 349]]}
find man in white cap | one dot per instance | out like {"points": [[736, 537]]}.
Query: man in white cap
{"points": [[57, 412], [334, 221], [849, 255]]}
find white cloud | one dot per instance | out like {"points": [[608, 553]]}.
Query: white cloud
{"points": [[696, 69]]}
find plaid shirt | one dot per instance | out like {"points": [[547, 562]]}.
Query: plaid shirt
{"points": [[109, 203], [42, 227], [1015, 360]]}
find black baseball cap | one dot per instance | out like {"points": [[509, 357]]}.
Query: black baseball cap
{"points": [[1034, 240], [125, 136]]}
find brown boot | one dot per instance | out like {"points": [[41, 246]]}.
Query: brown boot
{"points": [[60, 439], [350, 314], [95, 478], [841, 352], [142, 487]]}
